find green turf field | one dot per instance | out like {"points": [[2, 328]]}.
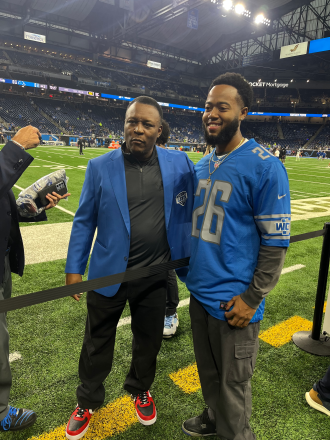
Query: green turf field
{"points": [[49, 336]]}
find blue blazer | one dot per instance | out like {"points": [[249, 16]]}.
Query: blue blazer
{"points": [[103, 205]]}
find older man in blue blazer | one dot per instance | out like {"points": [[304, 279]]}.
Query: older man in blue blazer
{"points": [[139, 198]]}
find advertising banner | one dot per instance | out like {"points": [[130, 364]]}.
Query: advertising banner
{"points": [[35, 37], [294, 50]]}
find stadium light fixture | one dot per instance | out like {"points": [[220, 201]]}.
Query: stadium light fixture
{"points": [[239, 8], [291, 81], [227, 4], [308, 80], [261, 19], [259, 80], [275, 80]]}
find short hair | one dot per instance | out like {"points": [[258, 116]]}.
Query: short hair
{"points": [[238, 81], [148, 101], [163, 138]]}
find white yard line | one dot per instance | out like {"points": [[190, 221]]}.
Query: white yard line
{"points": [[57, 206], [60, 164], [305, 193], [314, 175], [322, 169], [185, 302], [292, 268], [308, 181], [15, 356]]}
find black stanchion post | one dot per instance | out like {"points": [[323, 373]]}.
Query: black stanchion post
{"points": [[322, 284], [313, 342]]}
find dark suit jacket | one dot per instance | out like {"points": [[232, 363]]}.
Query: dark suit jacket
{"points": [[13, 162]]}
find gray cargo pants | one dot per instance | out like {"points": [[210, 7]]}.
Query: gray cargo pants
{"points": [[5, 373], [226, 357]]}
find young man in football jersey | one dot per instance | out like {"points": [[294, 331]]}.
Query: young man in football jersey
{"points": [[240, 234]]}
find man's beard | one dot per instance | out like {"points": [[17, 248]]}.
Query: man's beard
{"points": [[224, 137]]}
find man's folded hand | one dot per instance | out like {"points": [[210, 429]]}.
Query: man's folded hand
{"points": [[28, 137], [241, 314], [73, 278]]}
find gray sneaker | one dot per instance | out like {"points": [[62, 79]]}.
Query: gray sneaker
{"points": [[200, 426], [171, 323]]}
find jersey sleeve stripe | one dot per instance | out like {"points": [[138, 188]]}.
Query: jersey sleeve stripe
{"points": [[277, 227], [258, 217], [276, 237]]}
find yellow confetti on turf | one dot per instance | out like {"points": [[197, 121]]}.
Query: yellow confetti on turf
{"points": [[187, 379], [281, 334], [113, 419]]}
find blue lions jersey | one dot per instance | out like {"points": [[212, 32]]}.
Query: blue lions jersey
{"points": [[246, 204]]}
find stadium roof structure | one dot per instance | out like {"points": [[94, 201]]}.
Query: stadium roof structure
{"points": [[138, 30], [216, 28], [158, 24]]}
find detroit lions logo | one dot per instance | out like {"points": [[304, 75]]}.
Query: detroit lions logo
{"points": [[181, 198]]}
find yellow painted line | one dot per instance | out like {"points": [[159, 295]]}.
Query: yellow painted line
{"points": [[187, 379], [113, 419], [281, 334]]}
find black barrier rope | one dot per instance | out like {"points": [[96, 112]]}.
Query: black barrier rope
{"points": [[32, 299], [306, 236]]}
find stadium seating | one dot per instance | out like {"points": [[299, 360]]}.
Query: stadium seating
{"points": [[112, 119], [19, 111], [185, 127], [83, 118], [70, 118], [322, 141], [49, 64], [123, 74]]}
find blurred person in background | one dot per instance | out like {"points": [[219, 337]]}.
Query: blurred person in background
{"points": [[208, 150], [171, 322], [80, 146]]}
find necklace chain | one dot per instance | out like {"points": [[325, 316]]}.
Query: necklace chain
{"points": [[220, 161]]}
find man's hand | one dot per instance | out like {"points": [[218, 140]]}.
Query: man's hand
{"points": [[73, 278], [54, 199], [28, 137], [241, 314]]}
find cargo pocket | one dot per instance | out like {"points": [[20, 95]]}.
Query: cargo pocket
{"points": [[241, 368]]}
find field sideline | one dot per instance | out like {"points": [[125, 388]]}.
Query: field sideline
{"points": [[48, 336]]}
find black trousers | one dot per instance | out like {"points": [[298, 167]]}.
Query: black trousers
{"points": [[323, 386], [80, 149], [5, 373], [147, 298], [172, 297], [226, 357]]}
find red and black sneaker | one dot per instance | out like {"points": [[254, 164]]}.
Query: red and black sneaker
{"points": [[78, 424], [145, 408]]}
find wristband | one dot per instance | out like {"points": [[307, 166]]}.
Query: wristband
{"points": [[17, 143]]}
